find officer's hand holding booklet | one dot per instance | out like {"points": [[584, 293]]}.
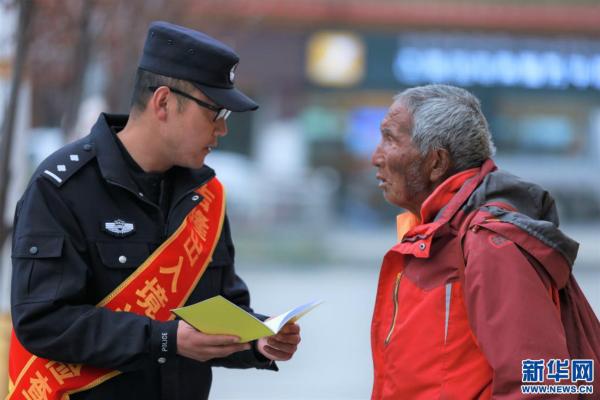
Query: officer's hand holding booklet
{"points": [[218, 315]]}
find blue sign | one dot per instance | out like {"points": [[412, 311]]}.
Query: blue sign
{"points": [[496, 60]]}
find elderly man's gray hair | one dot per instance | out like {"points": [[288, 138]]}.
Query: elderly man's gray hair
{"points": [[448, 117]]}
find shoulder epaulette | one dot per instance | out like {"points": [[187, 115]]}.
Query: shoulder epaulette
{"points": [[65, 162]]}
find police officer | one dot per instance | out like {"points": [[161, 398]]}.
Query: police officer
{"points": [[96, 209]]}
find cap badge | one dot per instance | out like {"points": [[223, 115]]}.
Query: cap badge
{"points": [[119, 228], [232, 73]]}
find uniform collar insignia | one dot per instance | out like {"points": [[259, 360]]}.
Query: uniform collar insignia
{"points": [[119, 228]]}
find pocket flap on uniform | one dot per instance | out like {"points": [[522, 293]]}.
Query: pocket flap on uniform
{"points": [[122, 254], [39, 246]]}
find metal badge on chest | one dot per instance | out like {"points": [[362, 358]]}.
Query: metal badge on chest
{"points": [[118, 228]]}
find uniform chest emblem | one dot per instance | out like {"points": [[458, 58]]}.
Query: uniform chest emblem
{"points": [[119, 228]]}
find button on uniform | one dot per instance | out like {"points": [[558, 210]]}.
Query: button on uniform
{"points": [[195, 197], [122, 259], [161, 360], [33, 250]]}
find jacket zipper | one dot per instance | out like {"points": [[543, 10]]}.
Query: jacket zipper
{"points": [[395, 298]]}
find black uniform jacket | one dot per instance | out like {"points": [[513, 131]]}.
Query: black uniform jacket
{"points": [[65, 261]]}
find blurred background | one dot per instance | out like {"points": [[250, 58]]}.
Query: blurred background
{"points": [[308, 219]]}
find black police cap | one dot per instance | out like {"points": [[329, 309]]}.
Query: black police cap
{"points": [[186, 54]]}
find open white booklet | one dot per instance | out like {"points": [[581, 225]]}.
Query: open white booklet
{"points": [[218, 315]]}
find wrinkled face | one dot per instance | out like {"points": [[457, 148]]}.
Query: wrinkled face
{"points": [[192, 132], [400, 166]]}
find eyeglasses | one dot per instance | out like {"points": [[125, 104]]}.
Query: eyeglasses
{"points": [[222, 113]]}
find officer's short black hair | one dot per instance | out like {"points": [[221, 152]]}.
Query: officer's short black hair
{"points": [[142, 93]]}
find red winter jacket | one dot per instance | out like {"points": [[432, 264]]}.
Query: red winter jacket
{"points": [[476, 289]]}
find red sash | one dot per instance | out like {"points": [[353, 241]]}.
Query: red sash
{"points": [[163, 282]]}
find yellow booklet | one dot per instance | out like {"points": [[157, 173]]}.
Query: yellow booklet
{"points": [[218, 315]]}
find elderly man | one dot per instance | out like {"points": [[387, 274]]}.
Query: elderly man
{"points": [[469, 301]]}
